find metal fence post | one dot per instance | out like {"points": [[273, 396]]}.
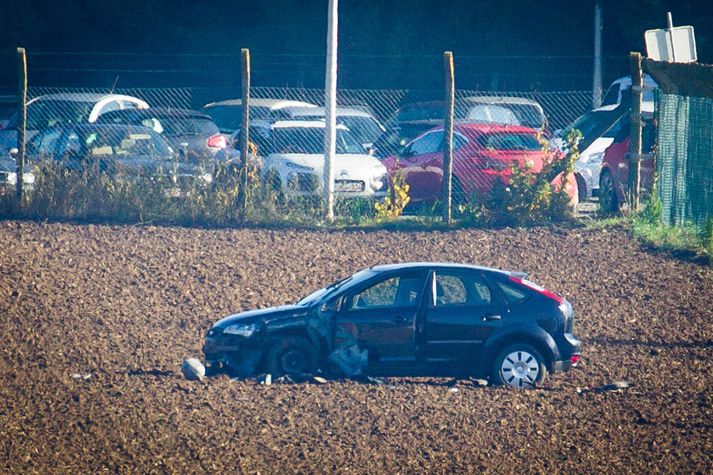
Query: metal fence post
{"points": [[448, 137], [636, 129], [244, 133], [22, 121]]}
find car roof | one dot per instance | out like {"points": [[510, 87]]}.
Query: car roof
{"points": [[92, 97], [319, 124], [343, 111], [94, 125], [158, 112], [437, 265], [273, 104], [501, 100]]}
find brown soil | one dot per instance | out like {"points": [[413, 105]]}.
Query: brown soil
{"points": [[128, 304]]}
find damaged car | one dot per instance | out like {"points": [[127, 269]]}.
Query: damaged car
{"points": [[412, 319]]}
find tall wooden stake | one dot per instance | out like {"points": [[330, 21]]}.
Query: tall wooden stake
{"points": [[448, 137], [330, 112], [22, 120], [244, 133], [636, 128]]}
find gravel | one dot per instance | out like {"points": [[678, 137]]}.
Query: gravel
{"points": [[126, 305]]}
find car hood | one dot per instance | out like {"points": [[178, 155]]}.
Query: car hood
{"points": [[349, 162], [264, 315]]}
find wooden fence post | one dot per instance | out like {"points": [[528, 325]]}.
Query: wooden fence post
{"points": [[22, 121], [448, 137], [636, 129], [244, 133]]}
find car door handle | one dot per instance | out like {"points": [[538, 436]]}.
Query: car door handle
{"points": [[491, 317]]}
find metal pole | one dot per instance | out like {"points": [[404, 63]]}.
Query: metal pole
{"points": [[330, 105], [244, 133], [597, 80], [635, 131], [22, 121], [670, 35], [448, 137]]}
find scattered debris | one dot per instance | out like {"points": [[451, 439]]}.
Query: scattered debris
{"points": [[453, 389], [349, 359], [193, 369], [617, 386], [480, 382], [375, 380], [81, 377], [319, 380], [265, 379]]}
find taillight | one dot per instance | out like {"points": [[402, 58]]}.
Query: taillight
{"points": [[540, 290], [217, 141]]}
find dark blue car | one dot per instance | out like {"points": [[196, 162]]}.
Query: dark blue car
{"points": [[407, 319]]}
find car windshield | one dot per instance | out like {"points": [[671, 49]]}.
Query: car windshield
{"points": [[45, 114], [509, 141], [310, 140], [364, 129], [318, 294], [187, 126], [492, 114], [121, 142]]}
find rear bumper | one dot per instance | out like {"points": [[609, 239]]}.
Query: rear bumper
{"points": [[570, 351]]}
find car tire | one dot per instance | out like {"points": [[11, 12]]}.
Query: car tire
{"points": [[608, 201], [292, 355], [519, 366], [581, 188]]}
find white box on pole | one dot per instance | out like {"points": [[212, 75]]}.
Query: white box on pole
{"points": [[675, 45]]}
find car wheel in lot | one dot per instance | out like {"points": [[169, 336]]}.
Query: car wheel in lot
{"points": [[292, 355], [608, 202], [519, 366]]}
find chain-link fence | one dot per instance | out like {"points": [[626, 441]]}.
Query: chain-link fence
{"points": [[380, 134]]}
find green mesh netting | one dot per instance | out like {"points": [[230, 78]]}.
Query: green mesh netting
{"points": [[685, 159]]}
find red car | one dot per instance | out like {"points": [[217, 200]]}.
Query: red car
{"points": [[614, 177], [482, 155]]}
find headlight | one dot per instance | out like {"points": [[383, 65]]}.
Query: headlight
{"points": [[245, 330]]}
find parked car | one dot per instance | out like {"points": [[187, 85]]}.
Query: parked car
{"points": [[407, 319], [292, 156], [133, 150], [502, 110], [482, 156], [228, 114], [362, 124], [65, 108], [192, 134], [614, 178], [598, 128], [394, 139]]}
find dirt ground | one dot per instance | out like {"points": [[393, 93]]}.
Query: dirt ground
{"points": [[126, 305]]}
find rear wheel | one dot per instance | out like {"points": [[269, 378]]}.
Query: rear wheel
{"points": [[608, 201], [519, 366], [292, 355]]}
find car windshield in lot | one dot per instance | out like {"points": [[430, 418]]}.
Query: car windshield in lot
{"points": [[524, 142], [310, 140], [120, 142]]}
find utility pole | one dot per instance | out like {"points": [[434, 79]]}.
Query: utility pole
{"points": [[22, 121], [597, 80], [330, 116]]}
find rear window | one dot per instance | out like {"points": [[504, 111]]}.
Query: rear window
{"points": [[513, 294], [509, 141], [188, 126]]}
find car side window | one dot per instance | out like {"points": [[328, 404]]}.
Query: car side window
{"points": [[110, 106], [460, 289], [397, 291], [612, 96], [429, 143]]}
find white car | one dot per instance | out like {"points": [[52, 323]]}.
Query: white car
{"points": [[363, 126], [228, 114], [613, 97], [73, 108], [293, 161]]}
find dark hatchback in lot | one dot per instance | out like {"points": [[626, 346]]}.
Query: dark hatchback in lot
{"points": [[407, 319]]}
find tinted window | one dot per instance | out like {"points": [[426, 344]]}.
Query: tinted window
{"points": [[43, 114], [188, 126], [508, 141], [429, 143], [227, 118], [512, 293], [461, 289], [364, 129], [399, 291], [612, 95]]}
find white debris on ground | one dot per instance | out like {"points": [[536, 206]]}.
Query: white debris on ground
{"points": [[193, 369]]}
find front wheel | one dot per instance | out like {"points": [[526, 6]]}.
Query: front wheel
{"points": [[292, 355], [519, 366], [608, 201]]}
